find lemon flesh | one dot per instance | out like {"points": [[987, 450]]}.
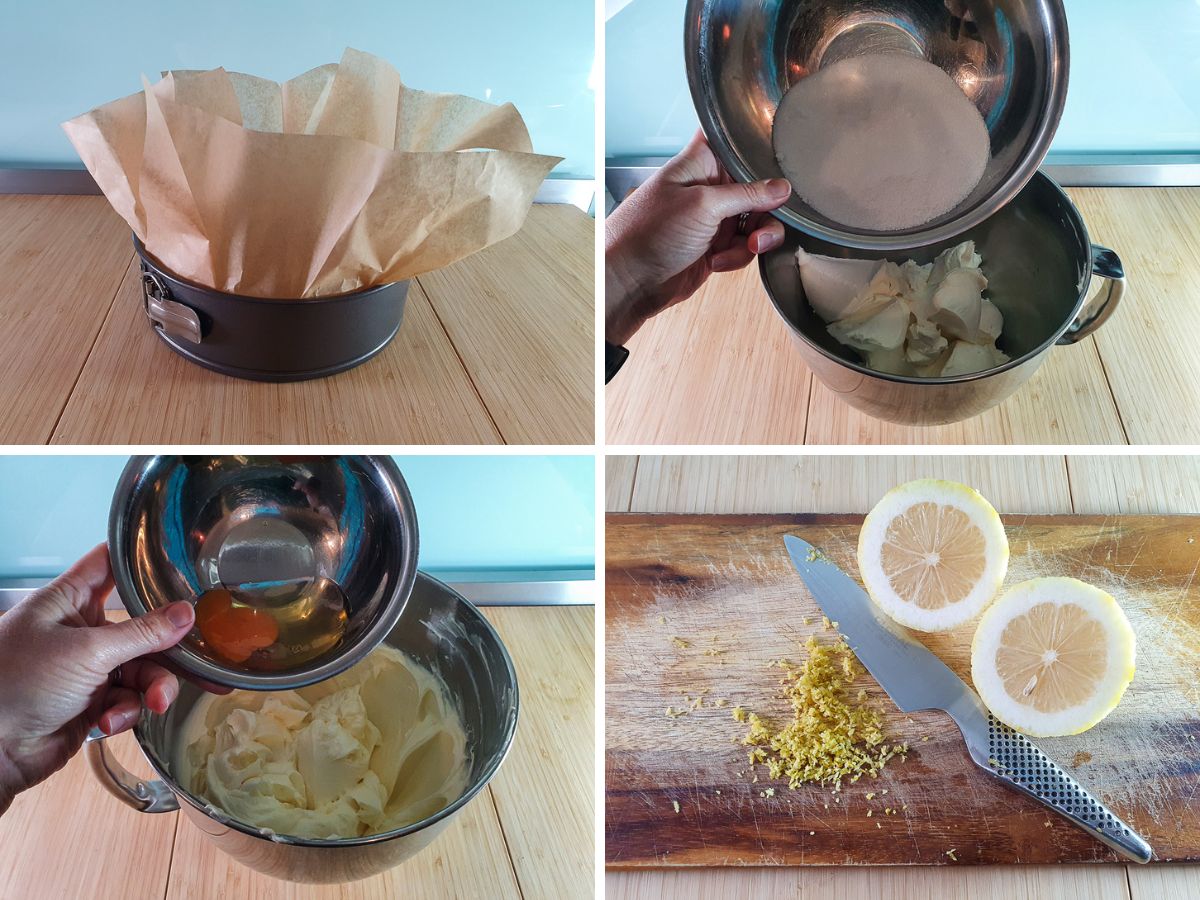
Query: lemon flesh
{"points": [[1052, 656], [932, 554]]}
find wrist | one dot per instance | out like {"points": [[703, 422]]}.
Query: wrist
{"points": [[10, 779], [619, 325], [622, 298]]}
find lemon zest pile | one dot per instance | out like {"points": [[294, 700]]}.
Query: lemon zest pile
{"points": [[828, 740]]}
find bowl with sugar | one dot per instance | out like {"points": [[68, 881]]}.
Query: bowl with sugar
{"points": [[899, 123]]}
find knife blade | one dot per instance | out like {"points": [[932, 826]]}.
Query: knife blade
{"points": [[916, 679]]}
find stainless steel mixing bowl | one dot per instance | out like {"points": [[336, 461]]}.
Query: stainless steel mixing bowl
{"points": [[447, 635], [1010, 57], [182, 525], [1039, 263]]}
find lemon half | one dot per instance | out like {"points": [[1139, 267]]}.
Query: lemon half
{"points": [[1052, 656], [932, 554]]}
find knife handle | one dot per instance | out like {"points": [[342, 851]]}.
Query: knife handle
{"points": [[1014, 759]]}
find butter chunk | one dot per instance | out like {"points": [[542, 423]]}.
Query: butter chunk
{"points": [[830, 284], [957, 303], [842, 288], [920, 287], [890, 362], [908, 318], [884, 329], [960, 256], [966, 357], [925, 343], [991, 322], [880, 293]]}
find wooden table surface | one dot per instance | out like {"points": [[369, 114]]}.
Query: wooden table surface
{"points": [[530, 834], [497, 348], [721, 369], [852, 484]]}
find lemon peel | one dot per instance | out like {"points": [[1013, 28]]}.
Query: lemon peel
{"points": [[932, 554], [1053, 656]]}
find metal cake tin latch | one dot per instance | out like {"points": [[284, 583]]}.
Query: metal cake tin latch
{"points": [[173, 317]]}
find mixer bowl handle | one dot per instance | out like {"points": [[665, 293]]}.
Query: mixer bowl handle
{"points": [[142, 795], [1107, 265]]}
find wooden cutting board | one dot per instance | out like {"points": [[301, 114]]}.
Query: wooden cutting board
{"points": [[725, 588]]}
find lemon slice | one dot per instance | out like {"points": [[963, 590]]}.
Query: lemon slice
{"points": [[1052, 656], [932, 554]]}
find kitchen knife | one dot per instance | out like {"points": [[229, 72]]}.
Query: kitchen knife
{"points": [[916, 679]]}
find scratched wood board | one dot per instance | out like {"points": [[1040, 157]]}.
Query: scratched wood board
{"points": [[724, 586]]}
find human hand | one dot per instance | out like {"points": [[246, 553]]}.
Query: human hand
{"points": [[57, 661], [676, 229]]}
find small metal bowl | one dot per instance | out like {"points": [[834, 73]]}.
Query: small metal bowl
{"points": [[182, 525], [1010, 57]]}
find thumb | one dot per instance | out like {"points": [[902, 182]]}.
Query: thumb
{"points": [[157, 630], [725, 200]]}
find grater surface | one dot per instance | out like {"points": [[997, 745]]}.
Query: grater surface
{"points": [[1012, 757]]}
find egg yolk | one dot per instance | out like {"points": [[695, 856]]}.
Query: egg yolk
{"points": [[234, 632]]}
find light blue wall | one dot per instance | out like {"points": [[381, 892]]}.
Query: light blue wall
{"points": [[59, 58], [483, 513], [1135, 79]]}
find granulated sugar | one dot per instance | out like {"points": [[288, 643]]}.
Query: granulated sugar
{"points": [[882, 142]]}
